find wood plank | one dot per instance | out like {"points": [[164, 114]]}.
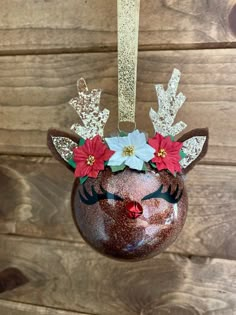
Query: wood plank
{"points": [[78, 25], [71, 276], [36, 202], [15, 308], [35, 89]]}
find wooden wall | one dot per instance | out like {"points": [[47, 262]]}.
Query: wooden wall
{"points": [[45, 45]]}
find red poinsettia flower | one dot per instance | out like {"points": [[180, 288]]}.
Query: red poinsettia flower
{"points": [[167, 155], [90, 157]]}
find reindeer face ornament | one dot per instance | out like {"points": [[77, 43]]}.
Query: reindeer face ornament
{"points": [[129, 199]]}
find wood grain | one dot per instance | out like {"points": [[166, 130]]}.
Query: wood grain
{"points": [[45, 46], [15, 308], [35, 91], [76, 25], [73, 277], [36, 202]]}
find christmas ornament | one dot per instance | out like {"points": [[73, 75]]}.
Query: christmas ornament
{"points": [[129, 200]]}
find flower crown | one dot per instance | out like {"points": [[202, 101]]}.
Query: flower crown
{"points": [[90, 153]]}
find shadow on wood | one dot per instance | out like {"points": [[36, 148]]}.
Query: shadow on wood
{"points": [[11, 278]]}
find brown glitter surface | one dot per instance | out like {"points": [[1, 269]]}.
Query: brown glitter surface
{"points": [[106, 226]]}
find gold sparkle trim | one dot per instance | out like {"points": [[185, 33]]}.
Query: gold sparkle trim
{"points": [[192, 148], [64, 147], [128, 29]]}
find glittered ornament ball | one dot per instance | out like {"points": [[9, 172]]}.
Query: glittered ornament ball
{"points": [[119, 215], [129, 199]]}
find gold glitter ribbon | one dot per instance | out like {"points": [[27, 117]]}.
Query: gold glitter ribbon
{"points": [[128, 29]]}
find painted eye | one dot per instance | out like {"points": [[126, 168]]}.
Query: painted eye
{"points": [[95, 197], [171, 198]]}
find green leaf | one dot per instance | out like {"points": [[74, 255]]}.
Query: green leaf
{"points": [[182, 154], [83, 179], [118, 168], [123, 134], [144, 167], [72, 163], [81, 142], [153, 165], [172, 137]]}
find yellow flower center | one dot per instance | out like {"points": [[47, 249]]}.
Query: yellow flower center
{"points": [[128, 151], [162, 153], [90, 160]]}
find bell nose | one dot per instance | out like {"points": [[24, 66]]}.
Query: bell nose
{"points": [[134, 209]]}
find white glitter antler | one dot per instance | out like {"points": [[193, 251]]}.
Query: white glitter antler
{"points": [[87, 107], [169, 104]]}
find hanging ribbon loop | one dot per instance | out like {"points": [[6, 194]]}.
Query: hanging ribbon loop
{"points": [[128, 29]]}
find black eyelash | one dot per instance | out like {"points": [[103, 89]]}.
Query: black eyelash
{"points": [[95, 197], [171, 198]]}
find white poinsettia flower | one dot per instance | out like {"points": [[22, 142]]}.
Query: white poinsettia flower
{"points": [[132, 150]]}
